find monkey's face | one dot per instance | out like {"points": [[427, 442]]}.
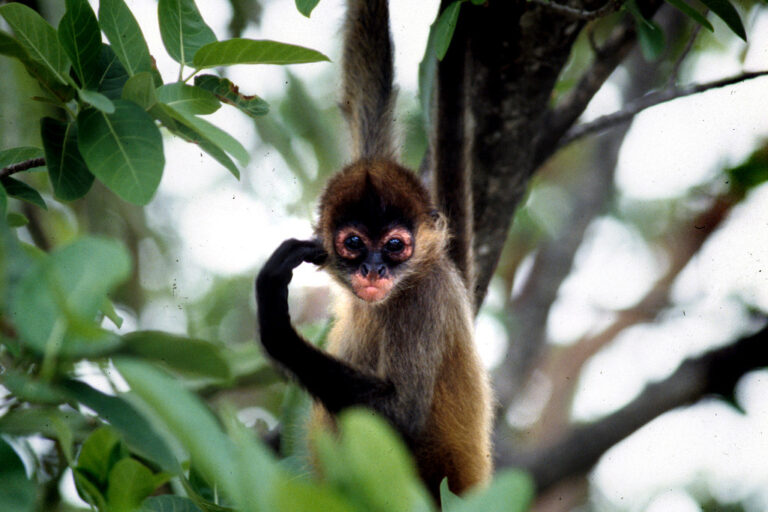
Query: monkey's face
{"points": [[372, 261]]}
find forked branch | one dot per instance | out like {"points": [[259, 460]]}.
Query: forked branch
{"points": [[651, 100]]}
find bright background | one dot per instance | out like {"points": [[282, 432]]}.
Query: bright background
{"points": [[226, 227]]}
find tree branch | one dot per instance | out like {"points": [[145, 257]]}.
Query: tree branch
{"points": [[580, 14], [21, 166], [559, 119], [716, 372], [684, 54], [651, 100], [512, 66]]}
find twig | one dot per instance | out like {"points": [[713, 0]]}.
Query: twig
{"points": [[651, 100], [21, 166], [579, 14], [558, 120], [679, 62]]}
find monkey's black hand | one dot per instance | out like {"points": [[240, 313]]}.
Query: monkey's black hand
{"points": [[278, 270], [272, 282]]}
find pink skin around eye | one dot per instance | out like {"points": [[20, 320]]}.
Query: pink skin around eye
{"points": [[342, 235], [403, 235]]}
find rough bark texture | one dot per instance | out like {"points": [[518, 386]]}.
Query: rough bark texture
{"points": [[515, 54]]}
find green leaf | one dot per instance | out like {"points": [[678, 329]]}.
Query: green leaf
{"points": [[29, 389], [189, 132], [3, 205], [182, 29], [188, 99], [123, 150], [38, 38], [65, 436], [140, 89], [365, 438], [305, 7], [124, 33], [130, 482], [108, 310], [169, 503], [259, 483], [692, 13], [448, 500], [48, 81], [40, 421], [80, 36], [187, 355], [652, 40], [138, 433], [69, 175], [445, 26], [183, 414], [17, 155], [228, 92], [17, 494], [211, 139], [21, 190], [112, 76], [219, 137], [55, 303], [88, 491], [427, 73], [96, 100], [649, 33], [15, 220], [728, 13], [250, 51], [511, 491], [99, 453], [303, 496]]}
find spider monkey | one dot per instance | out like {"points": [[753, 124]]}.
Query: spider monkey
{"points": [[402, 341]]}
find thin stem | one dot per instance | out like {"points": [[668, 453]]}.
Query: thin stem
{"points": [[193, 73], [21, 166], [679, 62]]}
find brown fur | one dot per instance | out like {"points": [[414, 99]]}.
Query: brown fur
{"points": [[420, 337]]}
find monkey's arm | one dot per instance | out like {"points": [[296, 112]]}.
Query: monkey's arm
{"points": [[336, 384]]}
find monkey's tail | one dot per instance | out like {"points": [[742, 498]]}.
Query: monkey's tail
{"points": [[367, 67]]}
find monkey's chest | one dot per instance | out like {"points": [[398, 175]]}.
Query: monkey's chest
{"points": [[364, 354]]}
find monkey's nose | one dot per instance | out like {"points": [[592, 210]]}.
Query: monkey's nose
{"points": [[367, 271]]}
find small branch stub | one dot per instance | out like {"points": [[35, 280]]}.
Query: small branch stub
{"points": [[21, 166]]}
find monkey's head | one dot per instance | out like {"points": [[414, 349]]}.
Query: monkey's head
{"points": [[378, 226]]}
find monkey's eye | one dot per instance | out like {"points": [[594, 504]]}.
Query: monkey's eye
{"points": [[354, 243], [394, 245]]}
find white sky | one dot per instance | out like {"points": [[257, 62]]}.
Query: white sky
{"points": [[669, 149]]}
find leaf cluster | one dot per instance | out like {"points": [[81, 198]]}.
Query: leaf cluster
{"points": [[111, 98]]}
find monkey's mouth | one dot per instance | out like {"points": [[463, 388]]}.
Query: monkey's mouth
{"points": [[371, 290]]}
